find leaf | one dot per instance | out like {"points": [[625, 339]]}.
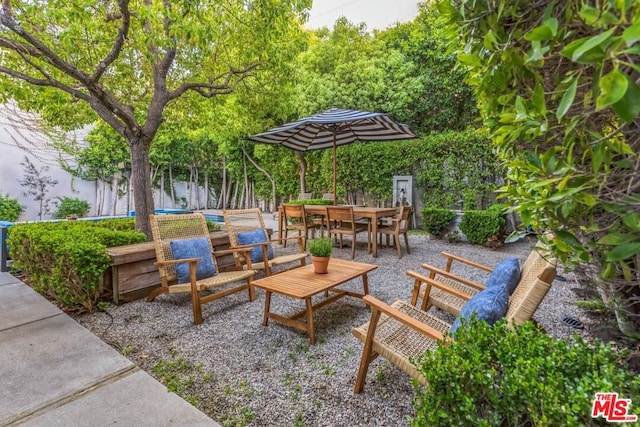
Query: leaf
{"points": [[632, 221], [616, 239], [628, 108], [632, 34], [613, 86], [542, 33], [521, 110], [623, 252], [589, 43], [567, 99], [470, 59]]}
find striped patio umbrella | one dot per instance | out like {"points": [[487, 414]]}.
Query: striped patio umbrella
{"points": [[332, 128]]}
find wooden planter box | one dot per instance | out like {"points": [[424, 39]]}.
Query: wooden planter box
{"points": [[133, 275]]}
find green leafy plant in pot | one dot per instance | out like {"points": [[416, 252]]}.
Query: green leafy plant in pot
{"points": [[320, 250]]}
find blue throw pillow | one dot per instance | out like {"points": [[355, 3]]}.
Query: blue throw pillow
{"points": [[489, 305], [256, 236], [507, 273], [193, 248]]}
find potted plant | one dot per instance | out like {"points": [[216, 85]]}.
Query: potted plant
{"points": [[320, 250]]}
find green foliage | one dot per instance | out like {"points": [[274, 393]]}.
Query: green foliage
{"points": [[319, 202], [492, 376], [10, 209], [72, 206], [436, 220], [321, 247], [457, 169], [64, 260], [484, 227], [557, 87]]}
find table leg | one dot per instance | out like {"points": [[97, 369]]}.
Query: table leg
{"points": [[374, 231], [267, 305], [365, 284], [310, 327]]}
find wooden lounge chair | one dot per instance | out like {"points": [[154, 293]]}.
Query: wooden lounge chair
{"points": [[297, 220], [401, 332], [340, 221], [243, 222], [167, 230], [399, 226], [538, 266]]}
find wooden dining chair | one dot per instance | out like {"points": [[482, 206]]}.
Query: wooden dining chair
{"points": [[296, 219], [341, 221], [399, 226]]}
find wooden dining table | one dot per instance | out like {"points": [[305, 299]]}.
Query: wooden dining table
{"points": [[370, 213]]}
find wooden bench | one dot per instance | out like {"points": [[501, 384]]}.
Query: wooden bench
{"points": [[133, 275]]}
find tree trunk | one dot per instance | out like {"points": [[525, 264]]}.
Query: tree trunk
{"points": [[303, 171], [141, 180], [114, 194]]}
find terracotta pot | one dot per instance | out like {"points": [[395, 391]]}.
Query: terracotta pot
{"points": [[320, 264]]}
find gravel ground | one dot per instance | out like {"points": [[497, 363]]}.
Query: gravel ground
{"points": [[242, 373]]}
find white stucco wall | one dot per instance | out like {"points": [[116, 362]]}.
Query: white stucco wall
{"points": [[18, 138]]}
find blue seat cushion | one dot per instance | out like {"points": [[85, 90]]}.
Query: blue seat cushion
{"points": [[506, 273], [193, 248], [489, 305], [256, 236]]}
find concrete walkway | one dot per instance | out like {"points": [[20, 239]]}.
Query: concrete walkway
{"points": [[54, 372]]}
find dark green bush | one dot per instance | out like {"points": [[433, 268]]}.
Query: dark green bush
{"points": [[64, 260], [311, 202], [436, 220], [496, 376], [10, 209], [484, 227], [72, 206]]}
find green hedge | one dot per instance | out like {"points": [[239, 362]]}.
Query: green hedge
{"points": [[484, 227], [521, 377], [436, 220], [311, 202], [64, 260]]}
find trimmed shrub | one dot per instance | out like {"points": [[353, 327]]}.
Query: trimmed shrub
{"points": [[436, 220], [65, 260], [497, 376], [71, 206], [10, 209], [484, 227], [311, 202]]}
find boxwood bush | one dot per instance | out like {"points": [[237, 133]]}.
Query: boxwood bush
{"points": [[72, 206], [64, 260], [484, 227], [436, 220], [311, 202], [496, 376], [10, 209]]}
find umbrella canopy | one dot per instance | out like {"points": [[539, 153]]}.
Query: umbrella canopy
{"points": [[332, 128]]}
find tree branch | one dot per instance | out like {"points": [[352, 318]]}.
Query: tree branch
{"points": [[117, 43], [209, 90]]}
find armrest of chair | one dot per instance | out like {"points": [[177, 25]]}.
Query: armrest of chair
{"points": [[401, 317], [245, 253], [177, 261], [452, 276], [419, 279], [452, 257]]}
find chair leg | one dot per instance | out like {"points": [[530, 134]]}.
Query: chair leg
{"points": [[396, 239], [367, 352], [406, 242], [353, 246], [285, 231]]}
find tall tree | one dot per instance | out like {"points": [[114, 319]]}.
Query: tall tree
{"points": [[127, 61]]}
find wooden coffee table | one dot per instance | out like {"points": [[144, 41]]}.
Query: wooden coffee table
{"points": [[303, 283]]}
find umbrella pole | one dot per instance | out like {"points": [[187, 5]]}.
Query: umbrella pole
{"points": [[335, 193]]}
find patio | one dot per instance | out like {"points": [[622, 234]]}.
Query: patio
{"points": [[239, 372]]}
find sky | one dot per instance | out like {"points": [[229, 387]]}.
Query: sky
{"points": [[377, 14]]}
